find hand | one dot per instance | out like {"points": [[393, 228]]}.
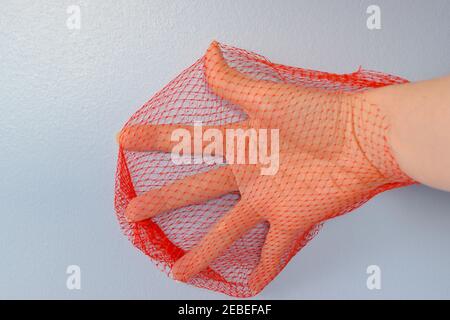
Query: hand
{"points": [[333, 156]]}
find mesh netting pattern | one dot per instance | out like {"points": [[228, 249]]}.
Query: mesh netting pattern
{"points": [[227, 226]]}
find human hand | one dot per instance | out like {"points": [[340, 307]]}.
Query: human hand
{"points": [[331, 156]]}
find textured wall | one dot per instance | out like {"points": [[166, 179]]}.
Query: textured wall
{"points": [[65, 93]]}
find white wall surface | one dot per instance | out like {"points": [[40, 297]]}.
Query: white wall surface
{"points": [[65, 93]]}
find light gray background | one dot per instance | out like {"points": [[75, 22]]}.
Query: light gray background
{"points": [[64, 94]]}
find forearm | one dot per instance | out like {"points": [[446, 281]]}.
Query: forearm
{"points": [[419, 128]]}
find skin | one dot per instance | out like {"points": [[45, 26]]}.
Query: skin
{"points": [[336, 149], [419, 134]]}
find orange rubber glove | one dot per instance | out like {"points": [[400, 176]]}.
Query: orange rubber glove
{"points": [[331, 155]]}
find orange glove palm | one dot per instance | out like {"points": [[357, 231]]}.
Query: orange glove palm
{"points": [[332, 156]]}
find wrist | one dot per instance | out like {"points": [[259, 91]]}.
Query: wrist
{"points": [[372, 127]]}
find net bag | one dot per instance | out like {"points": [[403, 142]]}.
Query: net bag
{"points": [[229, 170]]}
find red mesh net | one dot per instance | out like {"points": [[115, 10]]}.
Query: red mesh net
{"points": [[228, 171]]}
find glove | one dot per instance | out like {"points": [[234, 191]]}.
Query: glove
{"points": [[230, 169]]}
